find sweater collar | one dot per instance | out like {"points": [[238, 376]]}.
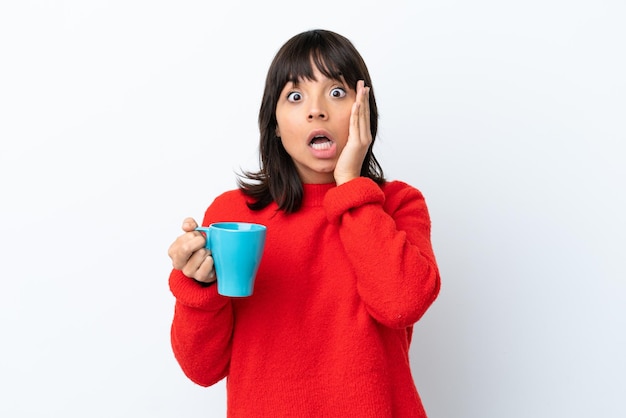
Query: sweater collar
{"points": [[314, 193]]}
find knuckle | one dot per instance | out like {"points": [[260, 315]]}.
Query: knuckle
{"points": [[187, 271]]}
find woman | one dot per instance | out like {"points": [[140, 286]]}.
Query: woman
{"points": [[348, 266]]}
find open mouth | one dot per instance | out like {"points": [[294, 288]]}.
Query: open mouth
{"points": [[321, 142]]}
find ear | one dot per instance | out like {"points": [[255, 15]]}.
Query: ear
{"points": [[277, 132]]}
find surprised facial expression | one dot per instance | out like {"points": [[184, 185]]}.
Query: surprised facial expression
{"points": [[313, 124]]}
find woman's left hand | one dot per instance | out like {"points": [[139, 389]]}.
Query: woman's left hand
{"points": [[359, 138]]}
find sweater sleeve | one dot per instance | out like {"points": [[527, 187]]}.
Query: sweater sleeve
{"points": [[201, 330], [386, 235]]}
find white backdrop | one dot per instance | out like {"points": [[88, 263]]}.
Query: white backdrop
{"points": [[120, 118]]}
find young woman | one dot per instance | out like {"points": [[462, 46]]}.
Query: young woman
{"points": [[348, 266]]}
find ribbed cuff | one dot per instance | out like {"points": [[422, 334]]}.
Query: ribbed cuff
{"points": [[195, 294], [353, 194]]}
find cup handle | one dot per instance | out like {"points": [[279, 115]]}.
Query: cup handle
{"points": [[206, 231]]}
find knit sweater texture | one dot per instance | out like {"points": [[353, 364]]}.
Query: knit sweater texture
{"points": [[328, 328]]}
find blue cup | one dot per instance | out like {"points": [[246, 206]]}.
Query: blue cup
{"points": [[237, 249]]}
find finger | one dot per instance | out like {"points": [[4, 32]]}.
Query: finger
{"points": [[359, 87], [184, 247], [360, 114], [206, 271], [189, 224], [355, 115], [365, 132], [190, 269], [192, 242], [354, 131]]}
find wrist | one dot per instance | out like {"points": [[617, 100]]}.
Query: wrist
{"points": [[204, 284], [339, 180]]}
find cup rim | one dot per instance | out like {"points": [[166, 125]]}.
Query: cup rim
{"points": [[252, 227]]}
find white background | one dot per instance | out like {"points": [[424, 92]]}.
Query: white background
{"points": [[120, 118]]}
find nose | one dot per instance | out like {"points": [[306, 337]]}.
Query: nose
{"points": [[317, 111], [317, 115]]}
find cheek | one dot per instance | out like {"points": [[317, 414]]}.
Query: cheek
{"points": [[285, 132], [285, 124], [344, 129]]}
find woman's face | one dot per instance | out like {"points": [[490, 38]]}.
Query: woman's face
{"points": [[313, 122]]}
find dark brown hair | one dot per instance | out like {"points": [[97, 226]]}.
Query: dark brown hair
{"points": [[334, 56]]}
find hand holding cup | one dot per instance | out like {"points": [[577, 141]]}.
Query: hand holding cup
{"points": [[190, 255], [237, 249]]}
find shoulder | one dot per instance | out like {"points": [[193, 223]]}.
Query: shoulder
{"points": [[227, 204], [229, 196], [400, 189], [399, 194]]}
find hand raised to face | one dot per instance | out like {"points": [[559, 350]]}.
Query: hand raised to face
{"points": [[359, 138]]}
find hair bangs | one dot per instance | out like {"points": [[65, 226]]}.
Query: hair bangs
{"points": [[302, 58]]}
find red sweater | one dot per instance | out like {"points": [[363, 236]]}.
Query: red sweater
{"points": [[327, 331]]}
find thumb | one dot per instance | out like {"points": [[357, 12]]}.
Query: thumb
{"points": [[189, 224]]}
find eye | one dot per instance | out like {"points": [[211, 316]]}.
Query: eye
{"points": [[338, 92], [294, 96]]}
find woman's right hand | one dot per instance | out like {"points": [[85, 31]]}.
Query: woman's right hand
{"points": [[189, 255]]}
